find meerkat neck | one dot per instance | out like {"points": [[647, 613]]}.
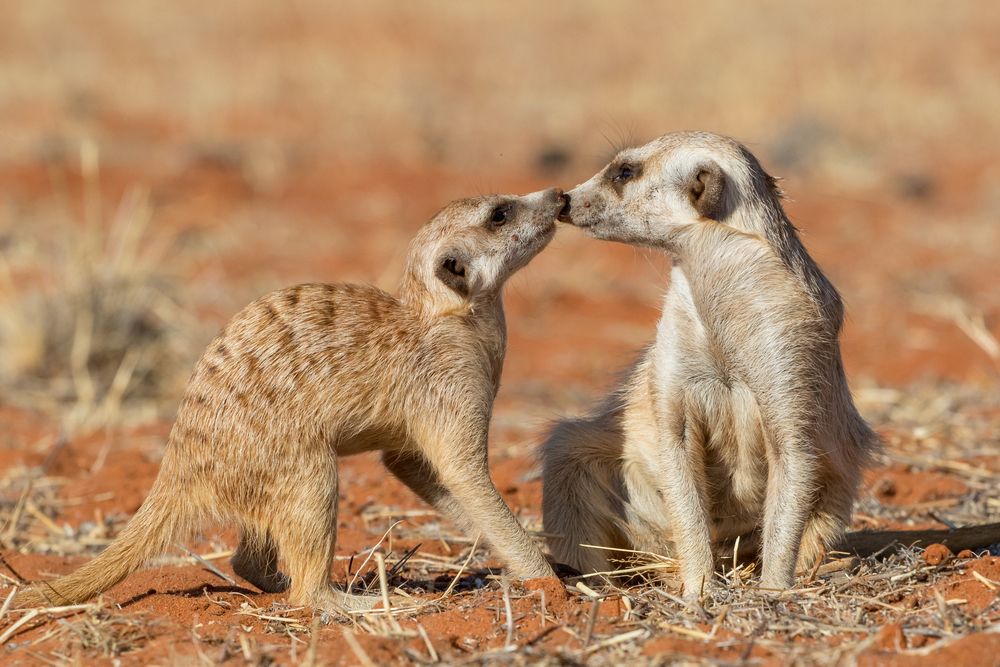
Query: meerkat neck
{"points": [[429, 303], [486, 307], [481, 316], [781, 235], [763, 216]]}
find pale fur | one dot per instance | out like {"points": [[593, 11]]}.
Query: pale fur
{"points": [[737, 422], [314, 372]]}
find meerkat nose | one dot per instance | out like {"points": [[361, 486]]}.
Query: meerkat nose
{"points": [[564, 212]]}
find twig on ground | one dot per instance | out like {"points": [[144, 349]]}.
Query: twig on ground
{"points": [[505, 584], [208, 566], [427, 642], [461, 570], [16, 625], [356, 648]]}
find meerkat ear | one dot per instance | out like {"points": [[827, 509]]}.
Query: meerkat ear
{"points": [[706, 188], [451, 270]]}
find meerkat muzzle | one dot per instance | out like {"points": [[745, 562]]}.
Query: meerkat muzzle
{"points": [[564, 212]]}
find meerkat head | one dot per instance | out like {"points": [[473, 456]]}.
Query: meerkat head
{"points": [[646, 193], [472, 246]]}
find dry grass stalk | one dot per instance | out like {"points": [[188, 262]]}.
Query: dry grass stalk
{"points": [[371, 552], [461, 570], [98, 335], [697, 634], [310, 659], [616, 640], [989, 583], [383, 583], [427, 642], [356, 648], [110, 635], [595, 605], [7, 601], [508, 612], [17, 625], [973, 325]]}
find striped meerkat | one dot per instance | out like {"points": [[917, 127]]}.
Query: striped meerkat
{"points": [[307, 374]]}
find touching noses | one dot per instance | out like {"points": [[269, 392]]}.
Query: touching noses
{"points": [[564, 211]]}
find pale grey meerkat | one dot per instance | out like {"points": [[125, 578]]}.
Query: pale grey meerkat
{"points": [[737, 422], [307, 374]]}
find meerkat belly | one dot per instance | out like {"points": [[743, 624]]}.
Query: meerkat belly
{"points": [[375, 438], [734, 456]]}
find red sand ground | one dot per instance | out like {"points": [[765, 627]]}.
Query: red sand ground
{"points": [[242, 217]]}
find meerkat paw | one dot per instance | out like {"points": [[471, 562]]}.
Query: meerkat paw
{"points": [[564, 571], [340, 605], [696, 589], [694, 603], [270, 583], [775, 585], [353, 602]]}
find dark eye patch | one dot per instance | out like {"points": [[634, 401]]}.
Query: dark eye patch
{"points": [[500, 214], [623, 172]]}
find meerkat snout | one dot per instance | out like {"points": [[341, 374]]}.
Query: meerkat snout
{"points": [[557, 198], [564, 212]]}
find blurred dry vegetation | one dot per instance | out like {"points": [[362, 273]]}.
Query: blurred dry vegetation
{"points": [[165, 162]]}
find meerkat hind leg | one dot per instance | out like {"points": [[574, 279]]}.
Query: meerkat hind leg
{"points": [[256, 560], [582, 503], [785, 516], [306, 538]]}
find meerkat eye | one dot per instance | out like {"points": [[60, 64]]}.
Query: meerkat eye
{"points": [[624, 172], [499, 215]]}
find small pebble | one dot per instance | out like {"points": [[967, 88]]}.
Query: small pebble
{"points": [[936, 554]]}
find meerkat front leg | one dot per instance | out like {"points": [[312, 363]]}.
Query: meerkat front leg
{"points": [[459, 460], [789, 501], [419, 476], [682, 488]]}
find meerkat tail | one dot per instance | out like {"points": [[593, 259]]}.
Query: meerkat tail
{"points": [[160, 521], [868, 543]]}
